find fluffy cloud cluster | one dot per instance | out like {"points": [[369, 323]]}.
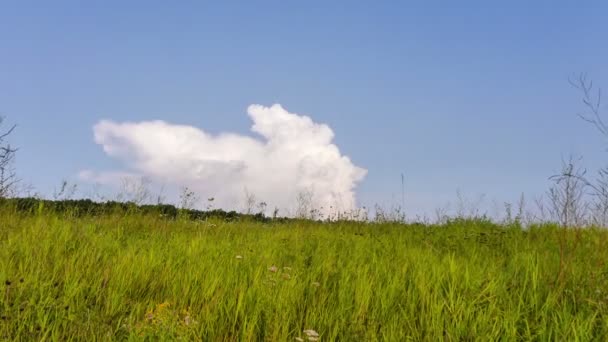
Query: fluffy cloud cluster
{"points": [[294, 155]]}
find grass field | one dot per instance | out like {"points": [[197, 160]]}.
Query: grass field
{"points": [[145, 277]]}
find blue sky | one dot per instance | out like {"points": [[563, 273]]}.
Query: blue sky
{"points": [[467, 95]]}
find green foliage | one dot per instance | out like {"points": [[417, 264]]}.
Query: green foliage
{"points": [[123, 273]]}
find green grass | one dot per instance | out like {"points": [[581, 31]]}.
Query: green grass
{"points": [[144, 277]]}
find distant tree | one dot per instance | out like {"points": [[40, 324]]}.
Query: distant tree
{"points": [[567, 195], [592, 104], [8, 177]]}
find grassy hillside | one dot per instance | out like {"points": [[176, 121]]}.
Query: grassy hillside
{"points": [[117, 277]]}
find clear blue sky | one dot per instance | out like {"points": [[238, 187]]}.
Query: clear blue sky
{"points": [[458, 95]]}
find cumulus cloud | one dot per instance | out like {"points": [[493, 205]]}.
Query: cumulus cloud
{"points": [[292, 155]]}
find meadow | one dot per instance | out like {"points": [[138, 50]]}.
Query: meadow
{"points": [[148, 277]]}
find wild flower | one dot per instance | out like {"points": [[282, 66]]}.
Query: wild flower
{"points": [[311, 333], [239, 257], [273, 269], [163, 316]]}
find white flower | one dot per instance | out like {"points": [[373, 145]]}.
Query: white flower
{"points": [[311, 333], [273, 268]]}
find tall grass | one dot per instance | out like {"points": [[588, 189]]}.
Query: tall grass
{"points": [[144, 277]]}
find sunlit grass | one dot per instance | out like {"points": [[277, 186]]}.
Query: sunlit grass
{"points": [[134, 277]]}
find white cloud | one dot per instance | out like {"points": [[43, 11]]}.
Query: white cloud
{"points": [[294, 155]]}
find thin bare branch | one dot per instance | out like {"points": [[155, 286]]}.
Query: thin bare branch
{"points": [[8, 177], [592, 102]]}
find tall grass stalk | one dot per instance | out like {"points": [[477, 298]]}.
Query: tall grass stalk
{"points": [[135, 277]]}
